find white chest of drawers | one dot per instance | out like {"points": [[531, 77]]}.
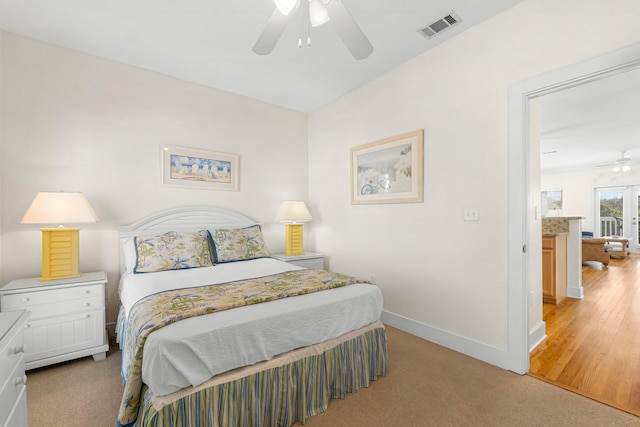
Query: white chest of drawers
{"points": [[67, 317], [13, 389]]}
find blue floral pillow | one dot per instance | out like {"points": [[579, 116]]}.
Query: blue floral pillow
{"points": [[239, 244], [172, 251]]}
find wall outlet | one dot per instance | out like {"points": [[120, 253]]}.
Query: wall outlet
{"points": [[472, 214]]}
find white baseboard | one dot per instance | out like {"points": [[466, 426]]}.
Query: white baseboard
{"points": [[489, 354], [537, 335], [575, 292]]}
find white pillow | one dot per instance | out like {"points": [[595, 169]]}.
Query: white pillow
{"points": [[129, 252]]}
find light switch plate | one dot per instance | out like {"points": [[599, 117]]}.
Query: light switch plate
{"points": [[472, 214]]}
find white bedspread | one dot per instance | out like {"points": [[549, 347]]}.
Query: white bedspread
{"points": [[190, 352]]}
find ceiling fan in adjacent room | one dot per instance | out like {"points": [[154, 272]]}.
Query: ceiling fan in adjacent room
{"points": [[621, 164], [314, 13]]}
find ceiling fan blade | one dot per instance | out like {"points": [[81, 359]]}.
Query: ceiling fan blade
{"points": [[272, 32], [616, 163], [348, 30]]}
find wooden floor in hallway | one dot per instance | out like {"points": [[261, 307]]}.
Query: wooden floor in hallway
{"points": [[593, 345]]}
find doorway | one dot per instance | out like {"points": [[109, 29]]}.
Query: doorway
{"points": [[521, 208]]}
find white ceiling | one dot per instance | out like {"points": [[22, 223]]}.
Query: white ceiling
{"points": [[210, 42], [589, 126]]}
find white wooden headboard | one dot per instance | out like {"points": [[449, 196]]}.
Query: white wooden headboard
{"points": [[186, 218]]}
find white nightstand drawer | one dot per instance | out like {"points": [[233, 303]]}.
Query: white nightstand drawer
{"points": [[307, 260], [55, 301], [49, 296], [60, 308], [11, 356], [315, 264], [12, 387]]}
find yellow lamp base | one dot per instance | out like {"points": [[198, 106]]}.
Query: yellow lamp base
{"points": [[60, 253], [293, 242]]}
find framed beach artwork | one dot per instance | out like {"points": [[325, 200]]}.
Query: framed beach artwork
{"points": [[551, 203], [388, 171], [202, 169]]}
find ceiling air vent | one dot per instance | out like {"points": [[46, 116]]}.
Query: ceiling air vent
{"points": [[440, 25]]}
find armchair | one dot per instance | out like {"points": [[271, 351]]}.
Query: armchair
{"points": [[595, 250]]}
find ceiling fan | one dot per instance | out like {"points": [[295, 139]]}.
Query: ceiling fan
{"points": [[314, 13], [621, 164]]}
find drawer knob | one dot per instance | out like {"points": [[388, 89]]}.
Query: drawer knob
{"points": [[21, 380], [26, 299], [86, 291], [86, 304], [86, 316], [20, 349]]}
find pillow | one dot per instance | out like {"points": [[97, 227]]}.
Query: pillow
{"points": [[238, 244], [172, 251], [129, 253]]}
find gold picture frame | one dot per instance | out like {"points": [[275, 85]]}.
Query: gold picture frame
{"points": [[200, 169], [389, 170]]}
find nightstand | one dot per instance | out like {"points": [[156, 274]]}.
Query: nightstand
{"points": [[13, 389], [306, 260], [67, 317]]}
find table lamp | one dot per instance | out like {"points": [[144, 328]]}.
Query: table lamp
{"points": [[293, 213], [60, 246]]}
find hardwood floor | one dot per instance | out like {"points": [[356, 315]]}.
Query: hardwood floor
{"points": [[593, 345]]}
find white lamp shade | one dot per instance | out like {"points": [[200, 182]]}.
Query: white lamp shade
{"points": [[318, 13], [293, 211], [286, 6], [59, 208]]}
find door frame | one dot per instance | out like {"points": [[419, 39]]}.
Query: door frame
{"points": [[519, 187]]}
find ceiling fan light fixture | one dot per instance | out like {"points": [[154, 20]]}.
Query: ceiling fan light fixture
{"points": [[626, 168], [286, 6], [616, 169], [318, 13], [341, 19]]}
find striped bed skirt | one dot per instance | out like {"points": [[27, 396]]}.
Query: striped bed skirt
{"points": [[279, 392]]}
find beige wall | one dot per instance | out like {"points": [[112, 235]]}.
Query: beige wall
{"points": [[440, 272], [1, 133], [75, 122]]}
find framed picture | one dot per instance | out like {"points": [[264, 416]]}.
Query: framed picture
{"points": [[195, 168], [551, 203], [388, 171]]}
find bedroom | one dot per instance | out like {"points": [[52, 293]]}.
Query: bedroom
{"points": [[77, 122]]}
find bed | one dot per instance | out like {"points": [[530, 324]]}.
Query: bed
{"points": [[215, 332]]}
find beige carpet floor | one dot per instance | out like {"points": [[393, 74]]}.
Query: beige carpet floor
{"points": [[426, 385]]}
